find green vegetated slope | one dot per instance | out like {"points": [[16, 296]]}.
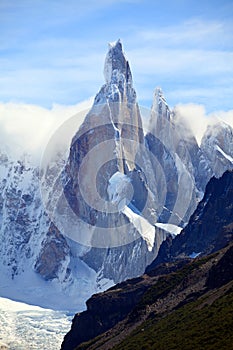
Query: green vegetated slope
{"points": [[196, 325], [190, 308]]}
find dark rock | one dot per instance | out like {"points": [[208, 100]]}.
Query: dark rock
{"points": [[209, 228], [221, 273], [104, 310], [52, 255]]}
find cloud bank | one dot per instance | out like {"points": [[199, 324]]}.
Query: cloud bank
{"points": [[198, 119], [28, 128]]}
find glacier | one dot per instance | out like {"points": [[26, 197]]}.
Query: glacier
{"points": [[29, 327]]}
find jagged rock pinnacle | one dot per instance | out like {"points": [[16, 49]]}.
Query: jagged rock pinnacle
{"points": [[116, 63], [160, 106], [118, 87]]}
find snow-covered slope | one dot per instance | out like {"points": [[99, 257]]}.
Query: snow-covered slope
{"points": [[34, 256], [27, 327], [217, 146]]}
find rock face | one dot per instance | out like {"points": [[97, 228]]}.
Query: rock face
{"points": [[53, 260], [209, 228], [109, 153], [114, 127], [185, 164], [103, 312], [177, 152]]}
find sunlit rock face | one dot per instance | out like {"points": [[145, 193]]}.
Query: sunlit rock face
{"points": [[176, 149], [110, 182]]}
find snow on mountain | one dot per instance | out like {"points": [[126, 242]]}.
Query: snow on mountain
{"points": [[33, 253], [217, 146], [173, 229], [227, 156], [118, 189], [21, 221], [194, 255], [146, 230], [28, 327]]}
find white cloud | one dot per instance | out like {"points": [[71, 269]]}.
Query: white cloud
{"points": [[227, 117], [197, 118], [28, 128]]}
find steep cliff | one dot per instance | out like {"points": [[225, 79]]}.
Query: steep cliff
{"points": [[209, 227]]}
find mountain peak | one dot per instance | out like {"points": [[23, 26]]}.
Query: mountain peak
{"points": [[116, 64], [160, 110], [158, 91], [159, 99], [115, 44]]}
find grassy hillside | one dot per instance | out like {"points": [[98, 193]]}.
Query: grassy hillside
{"points": [[189, 308], [196, 325]]}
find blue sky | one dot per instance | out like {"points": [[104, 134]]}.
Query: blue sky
{"points": [[53, 51]]}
